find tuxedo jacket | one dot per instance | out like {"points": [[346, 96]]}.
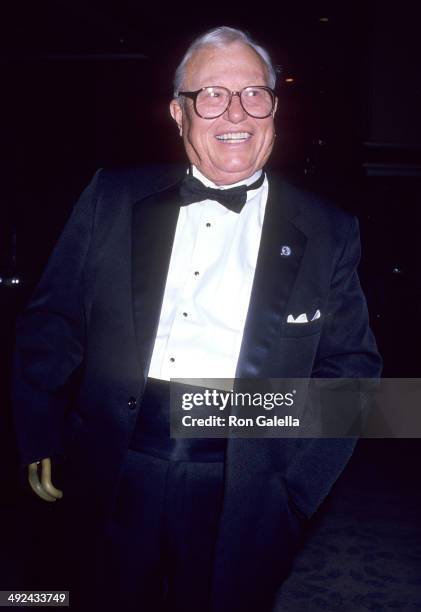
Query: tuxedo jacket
{"points": [[95, 313]]}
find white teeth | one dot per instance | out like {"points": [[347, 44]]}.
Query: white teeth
{"points": [[234, 136]]}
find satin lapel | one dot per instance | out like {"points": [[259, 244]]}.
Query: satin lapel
{"points": [[276, 271], [154, 225]]}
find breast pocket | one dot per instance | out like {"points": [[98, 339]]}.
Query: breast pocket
{"points": [[301, 330]]}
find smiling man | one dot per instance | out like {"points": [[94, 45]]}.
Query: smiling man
{"points": [[229, 272], [227, 122]]}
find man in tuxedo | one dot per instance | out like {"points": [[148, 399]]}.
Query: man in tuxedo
{"points": [[228, 272]]}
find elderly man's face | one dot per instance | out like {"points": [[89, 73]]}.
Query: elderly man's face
{"points": [[222, 161]]}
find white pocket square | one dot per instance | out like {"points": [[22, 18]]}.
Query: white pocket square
{"points": [[302, 318]]}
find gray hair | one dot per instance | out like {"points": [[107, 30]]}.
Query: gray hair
{"points": [[222, 37]]}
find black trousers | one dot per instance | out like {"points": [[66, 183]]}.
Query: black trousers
{"points": [[158, 547], [159, 543]]}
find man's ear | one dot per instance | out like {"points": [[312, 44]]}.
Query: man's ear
{"points": [[177, 114]]}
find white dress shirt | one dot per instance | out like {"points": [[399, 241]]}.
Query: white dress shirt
{"points": [[208, 286]]}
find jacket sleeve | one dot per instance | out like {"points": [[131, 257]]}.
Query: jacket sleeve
{"points": [[50, 337], [347, 346], [347, 349]]}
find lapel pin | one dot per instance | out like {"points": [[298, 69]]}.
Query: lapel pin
{"points": [[286, 251]]}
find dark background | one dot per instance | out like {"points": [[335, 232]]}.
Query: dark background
{"points": [[86, 84]]}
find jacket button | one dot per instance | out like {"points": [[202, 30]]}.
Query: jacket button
{"points": [[132, 403]]}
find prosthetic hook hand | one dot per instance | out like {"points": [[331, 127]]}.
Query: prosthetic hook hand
{"points": [[44, 488]]}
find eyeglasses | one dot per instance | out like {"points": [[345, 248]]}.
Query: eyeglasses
{"points": [[210, 102]]}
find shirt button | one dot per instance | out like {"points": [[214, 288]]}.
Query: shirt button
{"points": [[172, 359], [132, 403]]}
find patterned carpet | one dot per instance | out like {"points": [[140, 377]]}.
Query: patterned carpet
{"points": [[362, 552]]}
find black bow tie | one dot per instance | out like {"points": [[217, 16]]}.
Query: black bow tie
{"points": [[234, 198]]}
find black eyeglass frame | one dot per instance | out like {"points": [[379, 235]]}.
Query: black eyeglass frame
{"points": [[193, 96]]}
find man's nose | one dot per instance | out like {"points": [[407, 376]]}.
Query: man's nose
{"points": [[235, 112]]}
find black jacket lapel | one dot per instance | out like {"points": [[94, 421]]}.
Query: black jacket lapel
{"points": [[281, 250], [154, 225]]}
